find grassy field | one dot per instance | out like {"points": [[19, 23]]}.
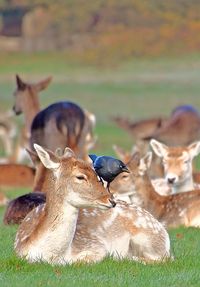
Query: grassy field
{"points": [[137, 89]]}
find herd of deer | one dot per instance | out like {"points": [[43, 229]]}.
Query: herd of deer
{"points": [[69, 216]]}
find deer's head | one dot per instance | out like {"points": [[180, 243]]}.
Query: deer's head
{"points": [[27, 93], [177, 161], [75, 180], [126, 183]]}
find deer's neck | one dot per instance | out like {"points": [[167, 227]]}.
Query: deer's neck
{"points": [[151, 199], [31, 108], [58, 227], [187, 185]]}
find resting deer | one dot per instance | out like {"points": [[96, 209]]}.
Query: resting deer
{"points": [[177, 163], [172, 210], [16, 175], [19, 207], [156, 168], [173, 163], [65, 231], [59, 125]]}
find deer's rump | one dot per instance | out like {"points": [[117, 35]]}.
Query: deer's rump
{"points": [[58, 125]]}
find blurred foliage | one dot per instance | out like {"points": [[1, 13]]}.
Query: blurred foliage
{"points": [[101, 31]]}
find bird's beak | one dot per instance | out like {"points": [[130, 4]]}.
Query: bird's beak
{"points": [[125, 169]]}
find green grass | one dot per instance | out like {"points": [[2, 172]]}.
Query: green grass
{"points": [[137, 89]]}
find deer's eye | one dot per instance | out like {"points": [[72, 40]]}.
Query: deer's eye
{"points": [[124, 176], [81, 177]]}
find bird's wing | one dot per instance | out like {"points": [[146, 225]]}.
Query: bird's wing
{"points": [[93, 157]]}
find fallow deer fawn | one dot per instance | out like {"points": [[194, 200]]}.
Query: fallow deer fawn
{"points": [[172, 210], [59, 233], [59, 125], [177, 162], [174, 163]]}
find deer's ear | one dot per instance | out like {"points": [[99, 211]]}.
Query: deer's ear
{"points": [[43, 84], [194, 149], [34, 157], [159, 148], [145, 163], [20, 84], [48, 158], [68, 152]]}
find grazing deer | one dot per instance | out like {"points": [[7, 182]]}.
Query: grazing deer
{"points": [[140, 129], [177, 163], [182, 128], [64, 231], [172, 210], [59, 125]]}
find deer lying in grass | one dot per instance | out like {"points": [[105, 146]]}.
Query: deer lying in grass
{"points": [[177, 162], [172, 210], [65, 231], [16, 175], [19, 207], [59, 125], [159, 184]]}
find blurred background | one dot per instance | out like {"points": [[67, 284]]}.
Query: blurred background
{"points": [[131, 58]]}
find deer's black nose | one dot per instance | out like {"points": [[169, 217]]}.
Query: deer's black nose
{"points": [[112, 202], [171, 180]]}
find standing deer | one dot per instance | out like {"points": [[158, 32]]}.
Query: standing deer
{"points": [[64, 231], [59, 125], [172, 210]]}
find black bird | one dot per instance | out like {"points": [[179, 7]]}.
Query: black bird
{"points": [[107, 167]]}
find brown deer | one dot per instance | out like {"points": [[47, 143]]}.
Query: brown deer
{"points": [[177, 163], [16, 175], [182, 128], [142, 128], [172, 210], [19, 207], [59, 125], [64, 231], [156, 168]]}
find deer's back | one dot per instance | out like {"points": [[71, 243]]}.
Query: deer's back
{"points": [[58, 125]]}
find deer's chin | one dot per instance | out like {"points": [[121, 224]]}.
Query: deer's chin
{"points": [[103, 206]]}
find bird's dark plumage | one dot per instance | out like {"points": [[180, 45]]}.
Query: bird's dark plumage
{"points": [[108, 167]]}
